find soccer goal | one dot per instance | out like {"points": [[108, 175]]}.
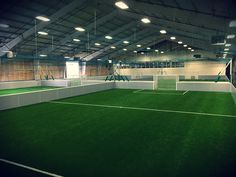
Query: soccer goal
{"points": [[165, 82]]}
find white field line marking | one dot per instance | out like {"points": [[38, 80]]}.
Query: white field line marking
{"points": [[144, 109], [138, 91], [185, 92], [30, 168], [151, 93]]}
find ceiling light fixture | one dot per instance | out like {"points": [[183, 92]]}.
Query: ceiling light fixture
{"points": [[139, 45], [227, 45], [135, 51], [156, 50], [121, 5], [4, 25], [163, 31], [42, 18], [125, 42], [192, 50], [180, 42], [145, 20], [162, 51], [108, 37], [42, 33], [42, 55], [226, 49], [172, 38], [76, 40], [125, 49], [148, 48], [189, 48], [97, 44], [80, 29], [113, 47], [185, 45]]}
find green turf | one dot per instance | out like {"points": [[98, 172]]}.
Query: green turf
{"points": [[86, 141], [23, 90]]}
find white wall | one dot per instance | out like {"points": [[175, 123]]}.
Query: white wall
{"points": [[19, 84]]}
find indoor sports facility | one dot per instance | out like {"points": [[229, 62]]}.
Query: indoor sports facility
{"points": [[118, 88]]}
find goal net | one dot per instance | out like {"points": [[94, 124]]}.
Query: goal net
{"points": [[165, 82]]}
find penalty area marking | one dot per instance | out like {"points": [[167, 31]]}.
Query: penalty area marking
{"points": [[185, 92], [138, 91], [144, 109], [30, 168]]}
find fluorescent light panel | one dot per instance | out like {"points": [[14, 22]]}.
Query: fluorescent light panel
{"points": [[185, 45], [42, 55], [125, 42], [121, 5], [76, 40], [97, 44], [172, 38], [148, 48], [139, 45], [108, 37], [113, 47], [163, 32], [80, 29], [42, 18], [42, 33], [125, 49], [145, 20], [180, 42], [4, 25], [156, 50]]}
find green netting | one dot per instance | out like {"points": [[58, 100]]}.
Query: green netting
{"points": [[166, 82]]}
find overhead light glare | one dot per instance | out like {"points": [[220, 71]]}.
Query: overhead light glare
{"points": [[192, 50], [76, 40], [226, 49], [121, 5], [4, 25], [125, 42], [42, 33], [163, 32], [148, 48], [108, 37], [185, 45], [97, 44], [43, 55], [162, 51], [135, 51], [156, 50], [227, 45], [172, 38], [189, 48], [125, 49], [145, 20], [80, 29], [139, 45], [113, 47], [42, 18], [180, 42]]}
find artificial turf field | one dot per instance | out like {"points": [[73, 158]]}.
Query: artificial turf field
{"points": [[25, 89], [123, 133]]}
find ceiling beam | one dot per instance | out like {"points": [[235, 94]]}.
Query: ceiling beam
{"points": [[69, 37], [97, 53], [68, 8]]}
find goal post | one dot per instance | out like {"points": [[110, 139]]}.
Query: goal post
{"points": [[165, 82]]}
